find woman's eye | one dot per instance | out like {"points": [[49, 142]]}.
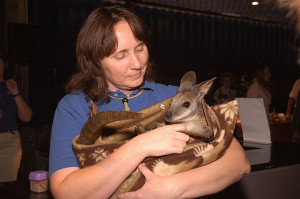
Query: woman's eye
{"points": [[120, 56], [186, 104], [140, 48]]}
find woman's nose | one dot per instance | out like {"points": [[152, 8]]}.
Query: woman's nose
{"points": [[135, 62]]}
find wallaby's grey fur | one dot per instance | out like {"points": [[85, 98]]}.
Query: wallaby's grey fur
{"points": [[186, 107]]}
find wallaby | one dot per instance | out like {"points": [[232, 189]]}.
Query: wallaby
{"points": [[186, 107]]}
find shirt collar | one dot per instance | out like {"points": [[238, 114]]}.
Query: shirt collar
{"points": [[147, 86]]}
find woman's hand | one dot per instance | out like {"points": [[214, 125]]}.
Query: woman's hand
{"points": [[211, 178], [155, 187], [162, 141], [12, 86]]}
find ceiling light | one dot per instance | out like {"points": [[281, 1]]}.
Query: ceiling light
{"points": [[255, 3]]}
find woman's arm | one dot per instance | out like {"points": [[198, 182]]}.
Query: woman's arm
{"points": [[290, 105], [103, 178], [24, 111], [213, 177], [97, 181], [206, 180]]}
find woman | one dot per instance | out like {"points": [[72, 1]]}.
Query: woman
{"points": [[12, 107], [293, 96], [293, 108], [113, 60], [259, 87]]}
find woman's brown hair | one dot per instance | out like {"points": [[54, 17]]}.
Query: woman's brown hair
{"points": [[96, 40]]}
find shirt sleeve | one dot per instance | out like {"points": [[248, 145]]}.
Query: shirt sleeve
{"points": [[165, 91], [70, 116]]}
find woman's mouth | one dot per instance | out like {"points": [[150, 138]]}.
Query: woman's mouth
{"points": [[137, 75]]}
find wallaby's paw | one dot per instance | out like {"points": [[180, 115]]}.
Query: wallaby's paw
{"points": [[208, 134], [154, 126], [140, 128]]}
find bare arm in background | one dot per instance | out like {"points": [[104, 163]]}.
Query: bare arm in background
{"points": [[24, 111], [289, 109]]}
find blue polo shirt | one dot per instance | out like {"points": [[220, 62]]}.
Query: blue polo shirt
{"points": [[9, 108], [73, 111]]}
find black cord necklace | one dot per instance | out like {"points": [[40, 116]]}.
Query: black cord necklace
{"points": [[125, 100]]}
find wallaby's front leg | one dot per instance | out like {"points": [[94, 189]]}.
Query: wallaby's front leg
{"points": [[142, 129], [155, 125], [208, 134], [203, 132]]}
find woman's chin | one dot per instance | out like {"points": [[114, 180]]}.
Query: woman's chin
{"points": [[137, 84]]}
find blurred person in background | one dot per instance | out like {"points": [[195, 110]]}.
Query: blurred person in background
{"points": [[225, 93], [293, 108], [12, 107], [242, 88], [260, 85]]}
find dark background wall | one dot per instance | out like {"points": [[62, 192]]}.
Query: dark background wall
{"points": [[180, 42]]}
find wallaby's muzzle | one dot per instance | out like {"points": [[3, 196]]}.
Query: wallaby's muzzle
{"points": [[169, 116]]}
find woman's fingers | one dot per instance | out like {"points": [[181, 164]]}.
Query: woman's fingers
{"points": [[178, 127], [145, 171], [164, 140]]}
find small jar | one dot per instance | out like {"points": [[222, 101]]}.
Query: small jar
{"points": [[39, 181]]}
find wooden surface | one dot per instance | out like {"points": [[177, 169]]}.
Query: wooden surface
{"points": [[281, 131], [20, 190]]}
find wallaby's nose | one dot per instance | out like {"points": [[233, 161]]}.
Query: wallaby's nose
{"points": [[169, 115]]}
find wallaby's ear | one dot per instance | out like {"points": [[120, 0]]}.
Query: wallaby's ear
{"points": [[187, 81], [204, 87]]}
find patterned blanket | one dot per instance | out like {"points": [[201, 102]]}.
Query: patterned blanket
{"points": [[97, 141]]}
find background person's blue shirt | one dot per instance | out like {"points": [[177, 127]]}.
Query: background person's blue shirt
{"points": [[73, 111], [9, 108]]}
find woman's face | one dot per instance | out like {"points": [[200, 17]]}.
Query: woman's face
{"points": [[125, 68], [267, 74]]}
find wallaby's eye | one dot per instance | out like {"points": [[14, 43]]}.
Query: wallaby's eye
{"points": [[186, 104]]}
